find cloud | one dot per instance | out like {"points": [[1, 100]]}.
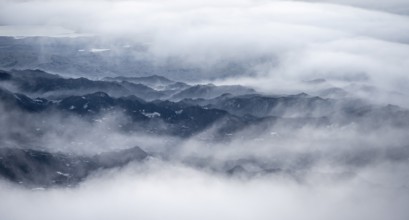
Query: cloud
{"points": [[322, 172], [274, 41], [352, 171], [176, 192], [395, 6]]}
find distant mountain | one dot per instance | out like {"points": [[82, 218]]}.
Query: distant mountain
{"points": [[179, 119], [210, 91], [153, 81], [93, 57], [41, 83], [11, 100], [301, 105], [231, 112], [31, 168], [208, 112], [166, 86]]}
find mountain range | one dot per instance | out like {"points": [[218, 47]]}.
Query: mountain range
{"points": [[156, 105]]}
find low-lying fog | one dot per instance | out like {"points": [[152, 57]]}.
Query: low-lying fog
{"points": [[165, 191], [335, 172], [343, 171]]}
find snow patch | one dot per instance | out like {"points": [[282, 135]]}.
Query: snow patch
{"points": [[151, 114], [98, 50], [63, 174]]}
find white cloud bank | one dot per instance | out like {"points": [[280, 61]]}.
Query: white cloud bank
{"points": [[280, 42], [347, 42], [181, 193]]}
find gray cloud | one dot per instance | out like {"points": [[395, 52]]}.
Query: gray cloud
{"points": [[342, 171], [351, 171], [277, 41], [181, 193]]}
